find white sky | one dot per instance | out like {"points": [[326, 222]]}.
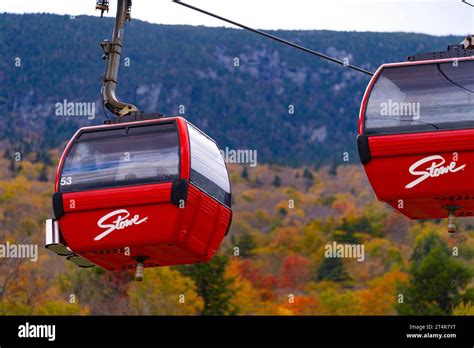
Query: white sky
{"points": [[437, 17]]}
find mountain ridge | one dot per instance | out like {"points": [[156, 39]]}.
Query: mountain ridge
{"points": [[291, 107]]}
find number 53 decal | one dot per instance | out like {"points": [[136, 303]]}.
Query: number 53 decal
{"points": [[66, 181]]}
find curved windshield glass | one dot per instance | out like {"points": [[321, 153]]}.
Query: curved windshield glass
{"points": [[118, 157], [208, 170], [417, 98]]}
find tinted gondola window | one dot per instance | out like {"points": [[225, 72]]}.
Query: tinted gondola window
{"points": [[208, 170], [418, 98], [130, 158]]}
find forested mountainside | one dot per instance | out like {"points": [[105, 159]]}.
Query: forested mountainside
{"points": [[245, 91], [285, 219]]}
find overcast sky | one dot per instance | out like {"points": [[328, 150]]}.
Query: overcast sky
{"points": [[437, 17]]}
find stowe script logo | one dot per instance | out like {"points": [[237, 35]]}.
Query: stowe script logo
{"points": [[435, 169], [121, 222]]}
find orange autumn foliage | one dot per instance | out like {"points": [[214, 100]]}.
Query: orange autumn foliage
{"points": [[302, 305], [294, 272], [380, 298]]}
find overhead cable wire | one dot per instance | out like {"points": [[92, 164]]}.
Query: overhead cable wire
{"points": [[276, 38]]}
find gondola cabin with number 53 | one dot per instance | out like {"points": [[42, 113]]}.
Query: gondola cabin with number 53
{"points": [[156, 192], [140, 190]]}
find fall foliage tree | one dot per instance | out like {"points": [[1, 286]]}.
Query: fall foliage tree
{"points": [[333, 300], [245, 173], [248, 299], [281, 253], [103, 292], [246, 244], [294, 272], [380, 297], [43, 175], [212, 285], [165, 292], [276, 181], [437, 279], [332, 269]]}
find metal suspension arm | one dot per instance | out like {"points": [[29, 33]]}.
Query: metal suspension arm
{"points": [[113, 52], [102, 6]]}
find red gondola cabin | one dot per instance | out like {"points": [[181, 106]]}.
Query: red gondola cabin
{"points": [[156, 191], [416, 136]]}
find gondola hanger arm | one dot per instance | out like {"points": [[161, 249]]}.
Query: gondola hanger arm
{"points": [[112, 55]]}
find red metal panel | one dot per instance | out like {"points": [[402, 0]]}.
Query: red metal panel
{"points": [[209, 225], [421, 143], [203, 225], [117, 197], [433, 208], [420, 181], [165, 233], [127, 226], [222, 225]]}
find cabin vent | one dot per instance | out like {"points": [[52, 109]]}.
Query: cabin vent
{"points": [[453, 198], [109, 251]]}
